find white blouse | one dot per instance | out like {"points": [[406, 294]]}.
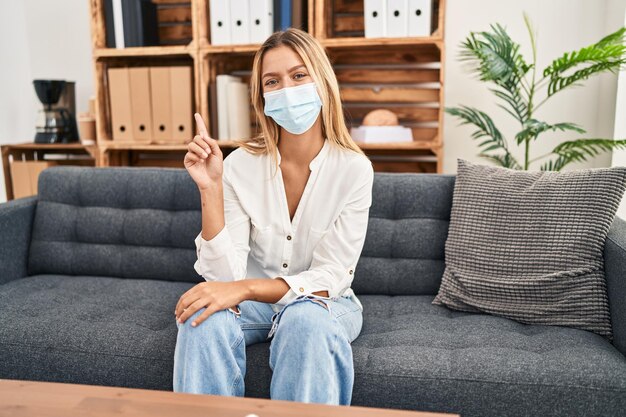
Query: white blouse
{"points": [[316, 251]]}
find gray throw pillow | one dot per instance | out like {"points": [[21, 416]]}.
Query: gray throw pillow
{"points": [[528, 245]]}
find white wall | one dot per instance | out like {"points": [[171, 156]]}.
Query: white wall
{"points": [[619, 156], [561, 25], [17, 101], [40, 39], [51, 39]]}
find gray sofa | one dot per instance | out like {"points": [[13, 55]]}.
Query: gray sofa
{"points": [[91, 269]]}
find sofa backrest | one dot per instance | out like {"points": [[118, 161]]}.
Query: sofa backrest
{"points": [[122, 222], [408, 226], [141, 223]]}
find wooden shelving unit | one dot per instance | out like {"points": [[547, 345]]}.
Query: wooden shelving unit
{"points": [[39, 152], [404, 75]]}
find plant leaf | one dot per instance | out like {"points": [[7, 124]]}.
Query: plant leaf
{"points": [[532, 128], [485, 128], [518, 107], [579, 150], [497, 58], [505, 160], [608, 54]]}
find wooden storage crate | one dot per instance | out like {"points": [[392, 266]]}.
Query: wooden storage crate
{"points": [[103, 104], [19, 161], [175, 21], [412, 69], [345, 19], [408, 85], [237, 64]]}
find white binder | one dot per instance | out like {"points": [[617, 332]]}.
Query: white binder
{"points": [[420, 17], [397, 18], [221, 84], [261, 20], [219, 10], [238, 110], [118, 23], [239, 21], [375, 18]]}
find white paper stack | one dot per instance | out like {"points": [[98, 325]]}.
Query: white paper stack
{"points": [[381, 134]]}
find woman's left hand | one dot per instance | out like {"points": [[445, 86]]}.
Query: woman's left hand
{"points": [[214, 295]]}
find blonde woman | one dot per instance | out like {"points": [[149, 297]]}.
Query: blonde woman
{"points": [[284, 218]]}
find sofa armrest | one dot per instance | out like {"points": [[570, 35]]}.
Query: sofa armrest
{"points": [[615, 269], [16, 220]]}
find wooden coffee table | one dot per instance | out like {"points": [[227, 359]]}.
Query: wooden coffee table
{"points": [[32, 398]]}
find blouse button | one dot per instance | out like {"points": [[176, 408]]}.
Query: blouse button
{"points": [[301, 289], [284, 265], [351, 271], [288, 237]]}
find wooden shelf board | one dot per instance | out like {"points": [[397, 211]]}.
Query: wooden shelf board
{"points": [[226, 49], [106, 145], [353, 42], [145, 51], [47, 146], [230, 144], [397, 145], [331, 43]]}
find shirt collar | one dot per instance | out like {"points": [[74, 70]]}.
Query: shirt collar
{"points": [[321, 155]]}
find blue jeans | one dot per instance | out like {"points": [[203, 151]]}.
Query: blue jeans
{"points": [[310, 351]]}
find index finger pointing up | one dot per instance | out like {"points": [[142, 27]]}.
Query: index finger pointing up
{"points": [[202, 130]]}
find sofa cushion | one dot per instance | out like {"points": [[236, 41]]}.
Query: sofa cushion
{"points": [[415, 355], [529, 245], [89, 330], [410, 353], [403, 251], [103, 221]]}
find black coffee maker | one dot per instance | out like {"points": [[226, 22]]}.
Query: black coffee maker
{"points": [[56, 121]]}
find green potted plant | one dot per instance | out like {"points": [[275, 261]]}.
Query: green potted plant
{"points": [[496, 59]]}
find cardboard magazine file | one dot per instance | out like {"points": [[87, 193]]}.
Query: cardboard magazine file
{"points": [[171, 90], [141, 113], [119, 99], [161, 104], [181, 104], [25, 175]]}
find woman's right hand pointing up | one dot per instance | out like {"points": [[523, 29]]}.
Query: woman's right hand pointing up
{"points": [[204, 159]]}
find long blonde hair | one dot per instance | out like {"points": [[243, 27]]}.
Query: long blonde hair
{"points": [[316, 60]]}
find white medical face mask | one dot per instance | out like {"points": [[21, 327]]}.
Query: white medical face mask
{"points": [[294, 108]]}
